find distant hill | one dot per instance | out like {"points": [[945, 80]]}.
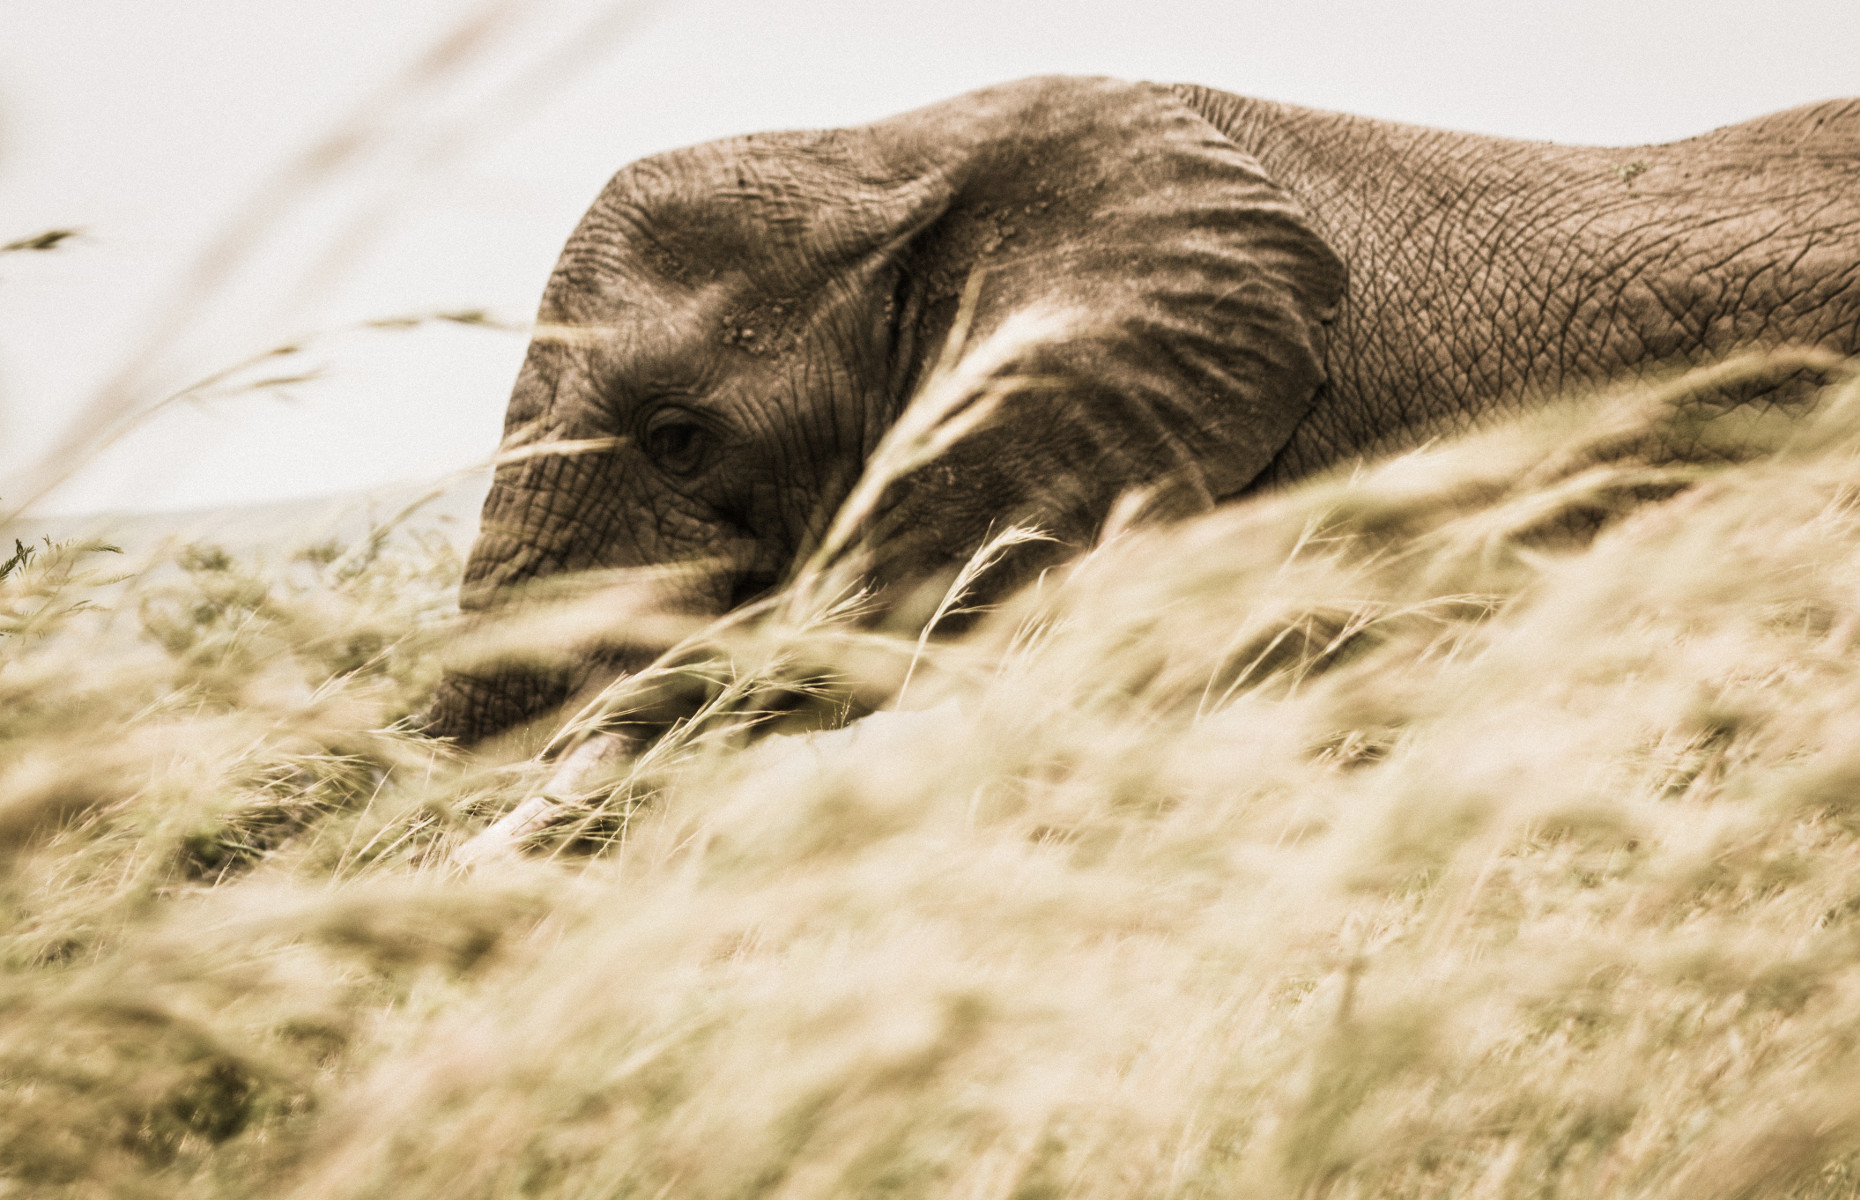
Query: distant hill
{"points": [[448, 506]]}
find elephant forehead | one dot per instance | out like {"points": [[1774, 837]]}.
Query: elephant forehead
{"points": [[724, 205], [630, 275], [639, 342], [628, 307], [629, 316]]}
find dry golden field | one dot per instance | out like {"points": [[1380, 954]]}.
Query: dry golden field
{"points": [[1481, 823]]}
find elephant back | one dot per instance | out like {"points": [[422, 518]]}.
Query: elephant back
{"points": [[1828, 129]]}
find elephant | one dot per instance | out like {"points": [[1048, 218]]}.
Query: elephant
{"points": [[1237, 293]]}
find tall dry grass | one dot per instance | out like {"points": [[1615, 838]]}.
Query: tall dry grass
{"points": [[1481, 822]]}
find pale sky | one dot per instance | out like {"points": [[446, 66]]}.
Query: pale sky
{"points": [[151, 124]]}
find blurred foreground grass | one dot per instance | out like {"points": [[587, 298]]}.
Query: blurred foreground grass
{"points": [[1396, 835]]}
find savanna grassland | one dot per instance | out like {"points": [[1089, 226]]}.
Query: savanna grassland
{"points": [[1483, 822]]}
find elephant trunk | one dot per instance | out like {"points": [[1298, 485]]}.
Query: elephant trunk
{"points": [[477, 702], [618, 601], [472, 705], [519, 545]]}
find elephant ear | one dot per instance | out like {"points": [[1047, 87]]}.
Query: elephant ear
{"points": [[1189, 292]]}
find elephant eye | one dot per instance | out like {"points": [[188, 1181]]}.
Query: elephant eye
{"points": [[676, 441]]}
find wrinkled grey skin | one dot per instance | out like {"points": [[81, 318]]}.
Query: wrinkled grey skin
{"points": [[1254, 292]]}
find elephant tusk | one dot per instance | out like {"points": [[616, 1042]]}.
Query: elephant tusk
{"points": [[500, 839]]}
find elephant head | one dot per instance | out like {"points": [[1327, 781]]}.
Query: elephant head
{"points": [[745, 319]]}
